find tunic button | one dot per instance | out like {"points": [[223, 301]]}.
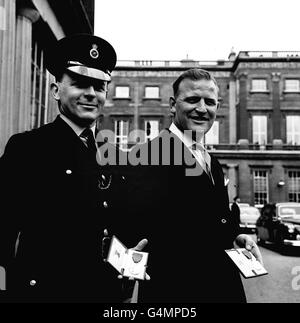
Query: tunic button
{"points": [[68, 171], [223, 221], [105, 204], [32, 282]]}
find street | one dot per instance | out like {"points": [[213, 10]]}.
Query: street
{"points": [[282, 284]]}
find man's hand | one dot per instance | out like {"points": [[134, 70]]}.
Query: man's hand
{"points": [[245, 241], [133, 288], [139, 247]]}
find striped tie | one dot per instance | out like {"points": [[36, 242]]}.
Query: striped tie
{"points": [[87, 137], [206, 158]]}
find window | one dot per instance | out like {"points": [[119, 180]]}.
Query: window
{"points": [[121, 133], [294, 186], [259, 130], [151, 129], [122, 92], [259, 85], [261, 192], [212, 136], [292, 85], [152, 92], [293, 130], [40, 87]]}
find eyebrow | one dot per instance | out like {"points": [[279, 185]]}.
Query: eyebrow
{"points": [[201, 97]]}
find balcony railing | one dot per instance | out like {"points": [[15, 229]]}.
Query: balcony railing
{"points": [[238, 147], [207, 63], [172, 63], [253, 147], [269, 54]]}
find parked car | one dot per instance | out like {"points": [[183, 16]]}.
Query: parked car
{"points": [[249, 215], [280, 224]]}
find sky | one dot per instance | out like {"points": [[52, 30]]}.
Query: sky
{"points": [[197, 29]]}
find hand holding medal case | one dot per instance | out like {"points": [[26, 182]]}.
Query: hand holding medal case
{"points": [[128, 262], [246, 262]]}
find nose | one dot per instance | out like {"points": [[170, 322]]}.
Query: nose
{"points": [[90, 92], [201, 106]]}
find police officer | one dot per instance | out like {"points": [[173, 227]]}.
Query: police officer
{"points": [[56, 200]]}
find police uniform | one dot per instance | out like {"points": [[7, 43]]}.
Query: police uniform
{"points": [[56, 199]]}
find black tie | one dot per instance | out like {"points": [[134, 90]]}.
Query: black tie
{"points": [[89, 140]]}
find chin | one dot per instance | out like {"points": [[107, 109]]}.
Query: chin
{"points": [[89, 116], [86, 120]]}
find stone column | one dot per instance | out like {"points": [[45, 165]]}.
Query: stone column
{"points": [[233, 181], [276, 119], [7, 69], [22, 105], [136, 105], [232, 111], [242, 120]]}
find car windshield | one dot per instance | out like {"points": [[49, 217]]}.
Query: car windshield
{"points": [[292, 212]]}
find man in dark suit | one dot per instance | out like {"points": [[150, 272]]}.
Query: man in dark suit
{"points": [[235, 210], [185, 201], [56, 200]]}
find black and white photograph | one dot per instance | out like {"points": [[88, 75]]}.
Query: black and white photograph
{"points": [[171, 125]]}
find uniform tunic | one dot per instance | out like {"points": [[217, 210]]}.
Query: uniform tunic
{"points": [[56, 201]]}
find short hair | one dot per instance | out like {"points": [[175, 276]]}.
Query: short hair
{"points": [[193, 74]]}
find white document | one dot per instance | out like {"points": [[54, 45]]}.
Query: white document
{"points": [[128, 262], [246, 262]]}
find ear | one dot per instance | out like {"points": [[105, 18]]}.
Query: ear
{"points": [[172, 104], [55, 91]]}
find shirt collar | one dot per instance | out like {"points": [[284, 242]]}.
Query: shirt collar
{"points": [[77, 129], [187, 140]]}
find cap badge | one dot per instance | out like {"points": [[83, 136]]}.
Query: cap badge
{"points": [[94, 51]]}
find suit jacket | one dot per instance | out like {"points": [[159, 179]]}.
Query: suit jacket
{"points": [[57, 201], [236, 212], [188, 224]]}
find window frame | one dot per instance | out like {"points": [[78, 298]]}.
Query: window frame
{"points": [[286, 90], [259, 89], [259, 132], [121, 139], [151, 97], [293, 133], [293, 188], [256, 176], [122, 97]]}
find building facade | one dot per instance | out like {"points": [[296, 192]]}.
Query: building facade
{"points": [[256, 136], [27, 27]]}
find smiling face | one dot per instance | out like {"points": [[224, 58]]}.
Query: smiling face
{"points": [[80, 99], [195, 105]]}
